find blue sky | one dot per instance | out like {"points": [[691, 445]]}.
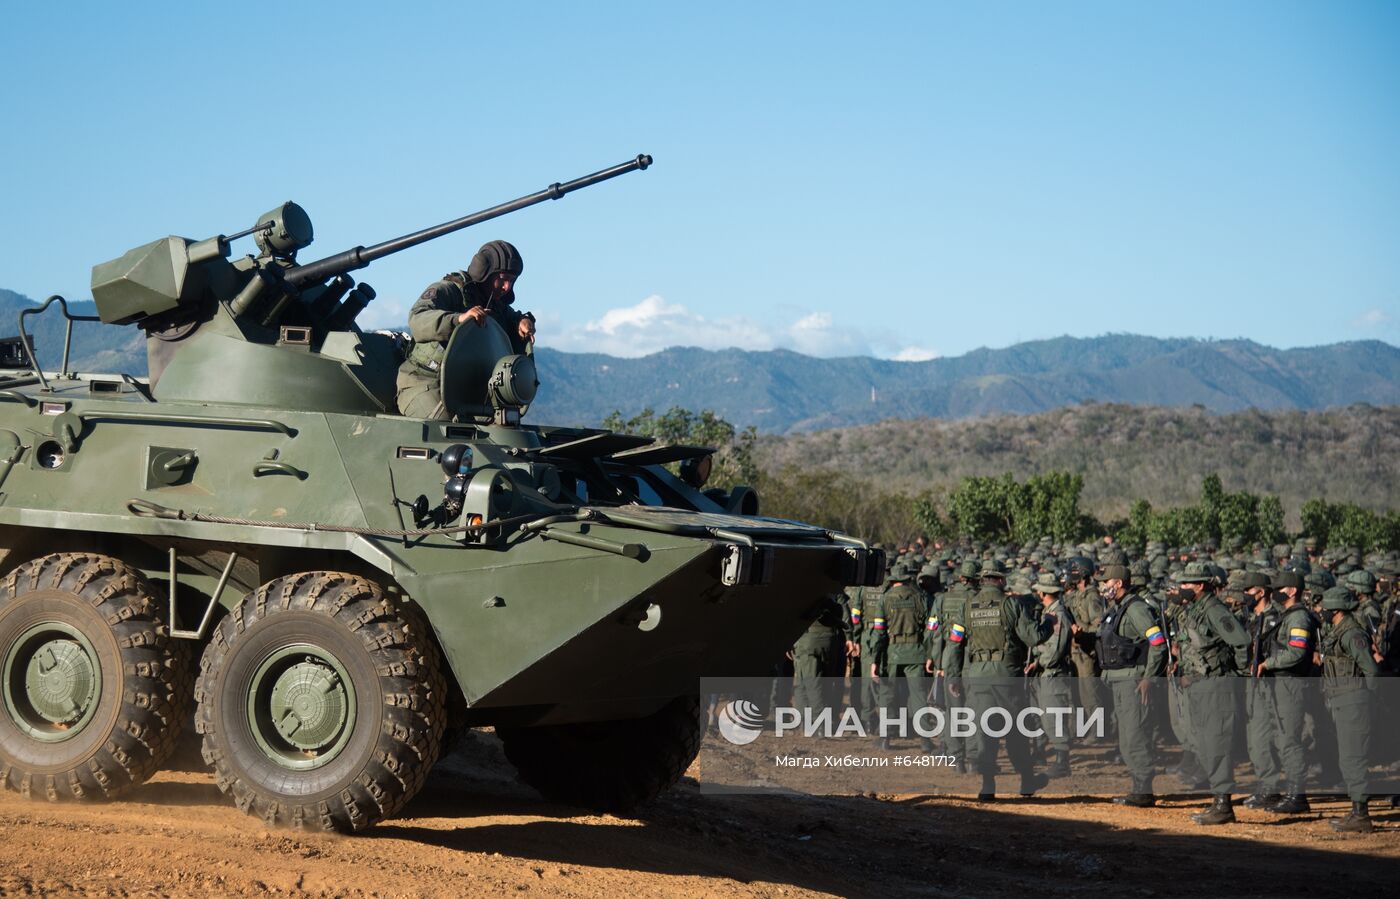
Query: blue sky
{"points": [[902, 180]]}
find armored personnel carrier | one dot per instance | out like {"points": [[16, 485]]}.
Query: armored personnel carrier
{"points": [[253, 537]]}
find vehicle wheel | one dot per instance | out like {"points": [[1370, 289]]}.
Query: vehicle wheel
{"points": [[94, 689], [321, 705], [608, 766]]}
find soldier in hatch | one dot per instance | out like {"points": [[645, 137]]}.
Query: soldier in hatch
{"points": [[485, 289]]}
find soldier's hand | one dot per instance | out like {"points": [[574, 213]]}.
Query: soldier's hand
{"points": [[874, 673], [928, 666], [475, 314], [852, 649], [1144, 686], [527, 329], [1030, 666], [1074, 629], [788, 655]]}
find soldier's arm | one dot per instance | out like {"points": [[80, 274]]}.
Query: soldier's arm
{"points": [[1224, 622], [1298, 647], [1359, 648], [954, 639], [1144, 621], [933, 634], [434, 315], [856, 630], [1091, 607], [876, 637], [1031, 631]]}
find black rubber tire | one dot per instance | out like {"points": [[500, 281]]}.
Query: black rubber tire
{"points": [[145, 693], [393, 667], [608, 766]]}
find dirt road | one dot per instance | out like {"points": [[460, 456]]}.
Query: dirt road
{"points": [[474, 831]]}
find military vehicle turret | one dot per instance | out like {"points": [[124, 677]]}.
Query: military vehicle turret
{"points": [[355, 584]]}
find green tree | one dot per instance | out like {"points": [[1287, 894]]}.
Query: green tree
{"points": [[1211, 508], [1238, 517], [1356, 527], [734, 460], [1001, 509], [1269, 521], [1135, 534], [1319, 518]]}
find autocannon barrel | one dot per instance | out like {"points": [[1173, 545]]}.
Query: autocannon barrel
{"points": [[359, 257]]}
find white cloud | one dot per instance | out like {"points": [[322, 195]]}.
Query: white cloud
{"points": [[654, 324], [818, 334], [1372, 319], [914, 354]]}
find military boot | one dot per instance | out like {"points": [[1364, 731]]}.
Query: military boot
{"points": [[989, 789], [1263, 799], [1294, 803], [882, 744], [1032, 782], [1359, 821], [1141, 795], [1220, 811], [1059, 767]]}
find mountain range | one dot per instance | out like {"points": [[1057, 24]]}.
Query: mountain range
{"points": [[780, 391]]}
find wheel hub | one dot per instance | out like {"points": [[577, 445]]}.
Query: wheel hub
{"points": [[60, 681], [309, 705], [52, 681], [301, 706]]}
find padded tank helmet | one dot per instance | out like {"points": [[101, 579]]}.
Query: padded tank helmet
{"points": [[493, 257]]}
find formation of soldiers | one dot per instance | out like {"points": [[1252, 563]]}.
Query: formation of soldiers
{"points": [[1278, 649]]}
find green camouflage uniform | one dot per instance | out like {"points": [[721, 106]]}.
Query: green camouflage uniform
{"points": [[1347, 674], [819, 659], [898, 622], [1262, 731], [433, 319], [989, 644], [1087, 607], [1210, 663], [1289, 669], [1137, 625], [1053, 671]]}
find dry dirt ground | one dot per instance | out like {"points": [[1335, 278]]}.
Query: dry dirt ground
{"points": [[475, 831]]}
